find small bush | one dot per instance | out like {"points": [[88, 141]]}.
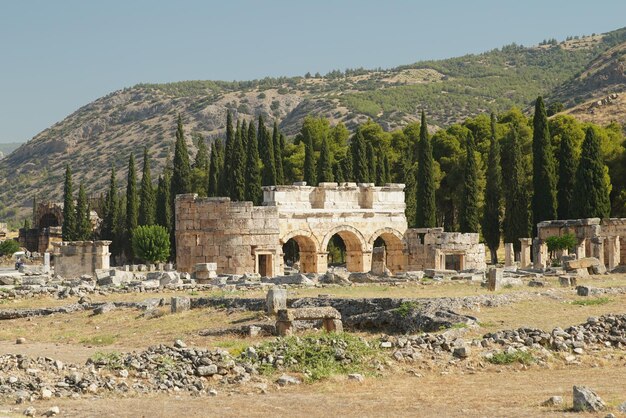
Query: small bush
{"points": [[523, 357], [592, 302], [9, 247], [405, 308], [563, 242], [99, 340], [151, 243], [111, 360]]}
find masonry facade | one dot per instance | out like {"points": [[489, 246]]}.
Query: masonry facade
{"points": [[242, 238]]}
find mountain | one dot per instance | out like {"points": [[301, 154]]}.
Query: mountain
{"points": [[104, 132], [8, 147]]}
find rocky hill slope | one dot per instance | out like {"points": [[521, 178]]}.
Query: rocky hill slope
{"points": [[104, 132]]}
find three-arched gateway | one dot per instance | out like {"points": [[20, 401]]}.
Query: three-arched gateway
{"points": [[315, 227]]}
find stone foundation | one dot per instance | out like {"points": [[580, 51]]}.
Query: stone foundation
{"points": [[77, 258], [432, 248]]}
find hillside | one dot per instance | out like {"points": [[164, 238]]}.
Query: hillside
{"points": [[104, 132]]}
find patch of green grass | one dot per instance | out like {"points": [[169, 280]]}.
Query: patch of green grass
{"points": [[99, 340], [319, 356], [406, 308], [592, 302], [112, 360], [235, 347], [523, 357], [459, 325]]}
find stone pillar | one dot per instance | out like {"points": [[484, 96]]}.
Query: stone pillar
{"points": [[276, 299], [580, 249], [46, 262], [321, 263], [508, 254], [541, 254], [613, 245], [494, 279], [597, 248], [378, 261], [524, 259]]}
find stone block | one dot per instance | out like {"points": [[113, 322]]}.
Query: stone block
{"points": [[180, 304], [567, 281], [168, 278], [494, 279], [582, 290], [276, 300]]}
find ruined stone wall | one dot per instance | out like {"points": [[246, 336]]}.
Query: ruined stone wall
{"points": [[231, 234], [76, 258], [429, 247]]}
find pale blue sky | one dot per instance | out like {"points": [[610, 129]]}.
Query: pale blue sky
{"points": [[56, 56]]}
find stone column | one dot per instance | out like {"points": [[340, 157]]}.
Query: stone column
{"points": [[614, 252], [580, 249], [597, 248], [508, 254], [524, 259], [321, 263], [541, 254]]}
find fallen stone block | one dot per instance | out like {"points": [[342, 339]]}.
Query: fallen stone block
{"points": [[276, 300], [104, 308], [586, 400], [180, 304], [567, 281], [582, 290]]}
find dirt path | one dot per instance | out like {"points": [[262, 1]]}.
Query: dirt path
{"points": [[511, 393]]}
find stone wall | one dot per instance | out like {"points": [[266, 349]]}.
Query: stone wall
{"points": [[432, 248], [40, 240], [76, 258]]}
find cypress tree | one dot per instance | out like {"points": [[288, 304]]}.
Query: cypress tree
{"points": [[278, 140], [324, 164], [202, 156], [244, 133], [147, 198], [381, 167], [83, 221], [238, 168], [163, 208], [360, 168], [132, 204], [214, 169], [338, 172], [469, 218], [544, 175], [516, 215], [110, 209], [309, 162], [386, 169], [493, 196], [371, 162], [425, 193], [254, 193], [225, 180], [266, 152], [181, 176], [119, 231], [69, 211], [591, 193], [347, 169], [567, 178]]}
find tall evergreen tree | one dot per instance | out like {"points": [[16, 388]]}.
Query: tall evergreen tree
{"points": [[278, 154], [163, 208], [238, 168], [371, 162], [360, 168], [309, 162], [567, 178], [516, 215], [493, 196], [244, 133], [120, 239], [110, 209], [202, 156], [544, 175], [266, 152], [591, 193], [469, 219], [338, 172], [325, 164], [386, 169], [425, 194], [83, 221], [181, 176], [254, 193], [225, 180], [69, 210], [147, 197], [214, 169], [132, 204]]}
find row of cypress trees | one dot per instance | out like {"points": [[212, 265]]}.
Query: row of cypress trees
{"points": [[76, 220]]}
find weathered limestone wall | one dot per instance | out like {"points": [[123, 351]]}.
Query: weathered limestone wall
{"points": [[231, 234], [428, 248], [73, 259]]}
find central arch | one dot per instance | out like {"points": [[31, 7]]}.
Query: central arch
{"points": [[357, 254], [394, 248], [307, 249]]}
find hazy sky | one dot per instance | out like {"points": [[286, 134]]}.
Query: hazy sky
{"points": [[56, 56]]}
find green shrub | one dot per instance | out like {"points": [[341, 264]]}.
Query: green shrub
{"points": [[563, 242], [9, 247], [592, 302], [151, 243], [112, 360], [405, 308], [523, 357]]}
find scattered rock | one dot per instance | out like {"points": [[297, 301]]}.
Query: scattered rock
{"points": [[622, 407], [20, 340], [46, 394], [461, 352], [212, 392], [104, 308], [30, 411], [357, 377], [180, 344], [586, 400], [553, 401], [285, 380], [52, 411]]}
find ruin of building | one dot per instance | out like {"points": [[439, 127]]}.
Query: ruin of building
{"points": [[47, 227], [77, 258], [604, 239], [242, 238]]}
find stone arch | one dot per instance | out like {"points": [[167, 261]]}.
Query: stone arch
{"points": [[357, 253], [48, 219], [308, 247], [394, 248]]}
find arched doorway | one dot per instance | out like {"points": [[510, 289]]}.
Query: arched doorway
{"points": [[347, 243], [394, 248], [47, 220], [300, 252]]}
